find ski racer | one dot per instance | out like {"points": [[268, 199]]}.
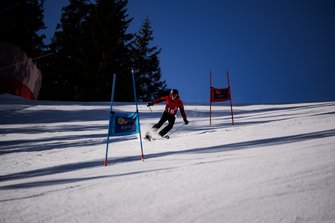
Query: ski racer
{"points": [[173, 102]]}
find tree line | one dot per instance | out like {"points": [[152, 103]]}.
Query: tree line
{"points": [[91, 44]]}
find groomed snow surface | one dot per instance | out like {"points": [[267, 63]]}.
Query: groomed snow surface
{"points": [[276, 164]]}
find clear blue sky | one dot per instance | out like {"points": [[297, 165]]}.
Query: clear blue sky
{"points": [[277, 51]]}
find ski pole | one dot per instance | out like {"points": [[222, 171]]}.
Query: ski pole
{"points": [[149, 108], [177, 129]]}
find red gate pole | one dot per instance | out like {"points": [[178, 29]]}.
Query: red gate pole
{"points": [[230, 99], [210, 98]]}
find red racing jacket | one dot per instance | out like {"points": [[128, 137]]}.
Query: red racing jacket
{"points": [[172, 105]]}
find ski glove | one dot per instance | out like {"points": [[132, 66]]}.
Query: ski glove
{"points": [[186, 121], [150, 104]]}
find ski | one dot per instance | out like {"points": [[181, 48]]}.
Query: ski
{"points": [[149, 138], [160, 138]]}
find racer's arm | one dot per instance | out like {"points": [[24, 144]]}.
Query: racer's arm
{"points": [[156, 101], [182, 111]]}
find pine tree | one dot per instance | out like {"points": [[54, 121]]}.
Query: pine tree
{"points": [[113, 44], [66, 72], [146, 64], [91, 44], [20, 21]]}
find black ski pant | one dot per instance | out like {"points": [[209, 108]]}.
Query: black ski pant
{"points": [[165, 117]]}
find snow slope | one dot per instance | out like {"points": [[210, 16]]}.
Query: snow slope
{"points": [[276, 164]]}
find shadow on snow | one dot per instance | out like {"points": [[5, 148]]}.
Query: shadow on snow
{"points": [[99, 163]]}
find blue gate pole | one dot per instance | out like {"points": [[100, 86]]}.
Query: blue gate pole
{"points": [[138, 115], [110, 112]]}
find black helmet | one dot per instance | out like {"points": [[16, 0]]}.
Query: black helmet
{"points": [[174, 91]]}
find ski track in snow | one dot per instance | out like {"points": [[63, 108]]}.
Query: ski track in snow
{"points": [[276, 164]]}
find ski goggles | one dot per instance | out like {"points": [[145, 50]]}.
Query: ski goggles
{"points": [[173, 96]]}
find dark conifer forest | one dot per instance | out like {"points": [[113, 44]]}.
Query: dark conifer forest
{"points": [[91, 43]]}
